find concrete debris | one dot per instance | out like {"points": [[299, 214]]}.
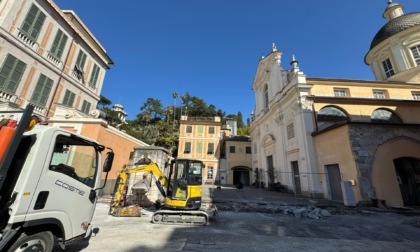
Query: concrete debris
{"points": [[312, 212], [309, 212], [325, 213]]}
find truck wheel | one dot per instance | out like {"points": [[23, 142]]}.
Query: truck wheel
{"points": [[42, 242]]}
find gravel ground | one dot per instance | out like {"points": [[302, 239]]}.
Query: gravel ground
{"points": [[253, 230]]}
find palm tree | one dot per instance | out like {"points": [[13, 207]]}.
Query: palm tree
{"points": [[175, 96]]}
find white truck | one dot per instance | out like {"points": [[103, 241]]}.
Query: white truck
{"points": [[49, 180]]}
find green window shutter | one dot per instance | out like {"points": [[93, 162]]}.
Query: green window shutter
{"points": [[38, 89], [71, 102], [81, 59], [33, 22], [200, 129], [94, 76], [199, 148], [30, 19], [11, 73], [59, 44], [46, 91], [85, 107], [42, 90], [68, 99]]}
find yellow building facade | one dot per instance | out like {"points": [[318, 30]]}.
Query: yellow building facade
{"points": [[199, 139]]}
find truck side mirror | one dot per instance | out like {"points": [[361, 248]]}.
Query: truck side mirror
{"points": [[109, 158]]}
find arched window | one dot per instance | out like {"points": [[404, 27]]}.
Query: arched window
{"points": [[384, 116], [331, 114], [265, 96]]}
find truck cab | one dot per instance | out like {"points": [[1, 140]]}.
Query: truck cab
{"points": [[48, 187]]}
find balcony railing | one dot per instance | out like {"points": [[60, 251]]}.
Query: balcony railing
{"points": [[7, 96], [38, 109], [77, 75], [27, 40], [54, 60]]}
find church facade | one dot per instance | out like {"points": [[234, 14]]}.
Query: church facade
{"points": [[354, 141]]}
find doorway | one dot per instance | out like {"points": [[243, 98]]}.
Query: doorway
{"points": [[334, 179], [296, 177], [241, 175], [408, 176]]}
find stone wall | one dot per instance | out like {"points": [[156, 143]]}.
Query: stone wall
{"points": [[365, 139], [142, 189]]}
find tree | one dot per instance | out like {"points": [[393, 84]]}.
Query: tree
{"points": [[243, 131], [103, 102], [175, 96], [154, 108], [239, 120], [111, 116], [197, 107]]}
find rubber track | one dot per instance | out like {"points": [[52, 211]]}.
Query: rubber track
{"points": [[180, 217]]}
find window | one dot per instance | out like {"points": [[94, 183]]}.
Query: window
{"points": [[10, 73], [42, 90], [416, 54], [80, 64], [73, 158], [389, 71], [384, 116], [266, 96], [199, 148], [231, 149], [339, 92], [210, 172], [416, 95], [187, 147], [200, 129], [94, 76], [331, 114], [211, 130], [210, 148], [58, 44], [85, 107], [378, 94], [248, 149], [189, 129], [290, 131], [33, 22], [69, 98]]}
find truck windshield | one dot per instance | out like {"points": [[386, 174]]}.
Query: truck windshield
{"points": [[74, 158]]}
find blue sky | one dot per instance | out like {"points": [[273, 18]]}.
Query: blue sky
{"points": [[211, 48]]}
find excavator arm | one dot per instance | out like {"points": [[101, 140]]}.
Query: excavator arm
{"points": [[144, 165]]}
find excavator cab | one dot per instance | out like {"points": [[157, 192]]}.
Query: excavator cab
{"points": [[184, 184]]}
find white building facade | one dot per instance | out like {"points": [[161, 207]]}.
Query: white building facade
{"points": [[282, 147]]}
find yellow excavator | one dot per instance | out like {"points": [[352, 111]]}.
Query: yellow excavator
{"points": [[181, 191]]}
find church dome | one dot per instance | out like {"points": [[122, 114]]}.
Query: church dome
{"points": [[395, 26]]}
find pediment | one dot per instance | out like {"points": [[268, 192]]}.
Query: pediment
{"points": [[268, 140]]}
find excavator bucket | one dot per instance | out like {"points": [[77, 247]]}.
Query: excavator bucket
{"points": [[129, 211]]}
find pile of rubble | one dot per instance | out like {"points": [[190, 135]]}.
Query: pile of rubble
{"points": [[309, 211]]}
